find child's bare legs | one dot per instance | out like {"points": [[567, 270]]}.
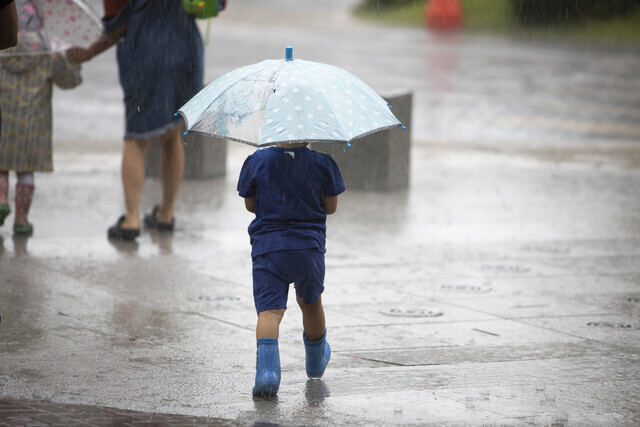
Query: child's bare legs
{"points": [[4, 187], [5, 210], [24, 194], [312, 319], [269, 324]]}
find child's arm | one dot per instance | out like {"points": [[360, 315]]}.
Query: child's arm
{"points": [[330, 204], [250, 204], [76, 55]]}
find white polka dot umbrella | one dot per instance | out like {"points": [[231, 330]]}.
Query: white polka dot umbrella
{"points": [[287, 101]]}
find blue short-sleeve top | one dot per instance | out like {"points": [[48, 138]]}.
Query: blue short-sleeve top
{"points": [[288, 184]]}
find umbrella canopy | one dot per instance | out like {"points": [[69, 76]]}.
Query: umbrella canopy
{"points": [[47, 26], [287, 101]]}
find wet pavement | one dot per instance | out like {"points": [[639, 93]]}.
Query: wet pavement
{"points": [[501, 288]]}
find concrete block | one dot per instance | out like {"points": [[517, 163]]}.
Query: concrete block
{"points": [[205, 157], [380, 161]]}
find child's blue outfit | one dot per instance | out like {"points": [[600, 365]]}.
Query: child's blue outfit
{"points": [[289, 232], [288, 243]]}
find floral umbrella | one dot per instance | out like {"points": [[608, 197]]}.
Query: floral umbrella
{"points": [[53, 26]]}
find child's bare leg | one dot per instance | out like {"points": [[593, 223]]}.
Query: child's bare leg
{"points": [[312, 319], [4, 187], [268, 354], [269, 324]]}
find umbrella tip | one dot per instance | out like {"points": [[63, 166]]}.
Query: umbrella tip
{"points": [[288, 53]]}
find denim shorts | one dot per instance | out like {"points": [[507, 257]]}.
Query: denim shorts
{"points": [[275, 271]]}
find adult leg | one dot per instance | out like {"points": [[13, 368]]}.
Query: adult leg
{"points": [[133, 176], [172, 169]]}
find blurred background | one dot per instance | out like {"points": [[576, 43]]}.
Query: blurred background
{"points": [[503, 71], [581, 20]]}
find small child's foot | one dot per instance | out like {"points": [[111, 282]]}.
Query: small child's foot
{"points": [[318, 354], [267, 367]]}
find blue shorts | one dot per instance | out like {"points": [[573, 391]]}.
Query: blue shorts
{"points": [[275, 271]]}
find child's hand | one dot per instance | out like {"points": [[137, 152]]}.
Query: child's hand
{"points": [[77, 55]]}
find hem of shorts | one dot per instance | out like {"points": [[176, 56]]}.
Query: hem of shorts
{"points": [[322, 250], [153, 133], [274, 308]]}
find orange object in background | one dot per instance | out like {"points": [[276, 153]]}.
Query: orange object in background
{"points": [[443, 14], [112, 7]]}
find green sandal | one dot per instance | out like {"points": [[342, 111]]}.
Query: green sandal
{"points": [[23, 229], [5, 210]]}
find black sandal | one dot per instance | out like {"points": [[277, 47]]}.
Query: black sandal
{"points": [[151, 221], [119, 233]]}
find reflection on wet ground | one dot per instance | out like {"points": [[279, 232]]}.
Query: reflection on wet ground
{"points": [[32, 413]]}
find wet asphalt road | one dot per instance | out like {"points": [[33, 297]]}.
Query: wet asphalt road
{"points": [[502, 287]]}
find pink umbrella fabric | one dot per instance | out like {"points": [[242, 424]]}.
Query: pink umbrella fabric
{"points": [[68, 23], [54, 25]]}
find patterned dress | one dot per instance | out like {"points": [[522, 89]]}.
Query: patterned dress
{"points": [[27, 75]]}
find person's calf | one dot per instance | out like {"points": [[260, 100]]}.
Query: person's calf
{"points": [[269, 323], [5, 210], [4, 188], [24, 195], [313, 320]]}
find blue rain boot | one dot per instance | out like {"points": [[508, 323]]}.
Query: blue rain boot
{"points": [[267, 367], [318, 355]]}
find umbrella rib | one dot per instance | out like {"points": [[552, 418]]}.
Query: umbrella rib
{"points": [[266, 104], [362, 135], [367, 90], [225, 137], [88, 12], [238, 81]]}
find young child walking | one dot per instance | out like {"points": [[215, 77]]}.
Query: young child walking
{"points": [[291, 189], [27, 75]]}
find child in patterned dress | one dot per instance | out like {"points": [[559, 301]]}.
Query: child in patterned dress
{"points": [[27, 75]]}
